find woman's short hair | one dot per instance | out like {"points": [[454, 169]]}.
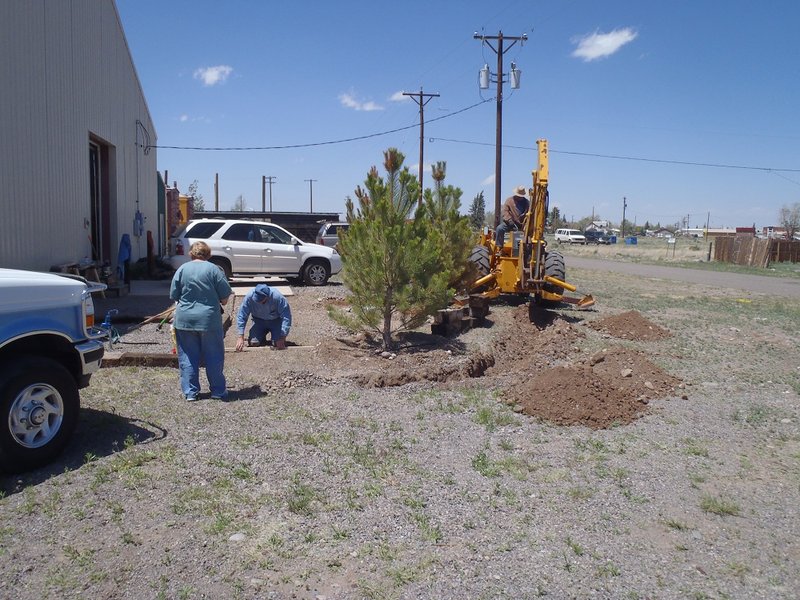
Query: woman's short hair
{"points": [[200, 250]]}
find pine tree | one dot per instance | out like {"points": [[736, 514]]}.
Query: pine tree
{"points": [[450, 228], [477, 212], [392, 263], [198, 202]]}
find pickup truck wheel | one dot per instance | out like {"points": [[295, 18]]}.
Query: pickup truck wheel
{"points": [[223, 264], [315, 272], [39, 406]]}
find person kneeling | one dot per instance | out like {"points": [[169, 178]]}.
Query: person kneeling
{"points": [[270, 313]]}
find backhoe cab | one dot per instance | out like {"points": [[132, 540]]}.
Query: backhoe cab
{"points": [[523, 265]]}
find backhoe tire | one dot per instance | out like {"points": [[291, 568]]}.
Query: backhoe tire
{"points": [[554, 267], [479, 259]]}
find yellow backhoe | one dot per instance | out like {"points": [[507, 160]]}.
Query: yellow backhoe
{"points": [[523, 265]]}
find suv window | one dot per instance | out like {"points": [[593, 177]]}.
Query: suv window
{"points": [[273, 235], [241, 232], [201, 230]]}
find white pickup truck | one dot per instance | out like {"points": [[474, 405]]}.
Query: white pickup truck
{"points": [[49, 348]]}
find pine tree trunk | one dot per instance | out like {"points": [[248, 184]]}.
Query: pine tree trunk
{"points": [[387, 320]]}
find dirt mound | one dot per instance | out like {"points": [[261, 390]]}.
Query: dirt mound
{"points": [[529, 346], [631, 325], [613, 387]]}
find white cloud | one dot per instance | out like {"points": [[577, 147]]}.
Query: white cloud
{"points": [[184, 118], [488, 181], [398, 97], [601, 45], [349, 100], [426, 168], [213, 75]]}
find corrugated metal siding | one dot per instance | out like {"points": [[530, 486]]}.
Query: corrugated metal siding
{"points": [[67, 74]]}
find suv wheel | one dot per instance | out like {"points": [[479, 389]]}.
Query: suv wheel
{"points": [[39, 406], [315, 272], [223, 264]]}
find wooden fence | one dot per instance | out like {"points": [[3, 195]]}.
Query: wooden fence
{"points": [[754, 252]]}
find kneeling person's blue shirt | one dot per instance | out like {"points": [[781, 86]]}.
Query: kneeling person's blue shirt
{"points": [[276, 307]]}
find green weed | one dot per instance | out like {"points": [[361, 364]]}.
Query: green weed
{"points": [[695, 448], [300, 497], [719, 506], [484, 465]]}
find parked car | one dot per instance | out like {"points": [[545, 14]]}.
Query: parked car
{"points": [[241, 247], [49, 349], [570, 236], [328, 234], [596, 237]]}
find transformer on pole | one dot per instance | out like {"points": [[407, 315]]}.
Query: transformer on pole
{"points": [[484, 78]]}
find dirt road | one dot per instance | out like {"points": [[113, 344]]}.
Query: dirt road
{"points": [[752, 283]]}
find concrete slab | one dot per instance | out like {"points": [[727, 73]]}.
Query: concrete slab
{"points": [[242, 286]]}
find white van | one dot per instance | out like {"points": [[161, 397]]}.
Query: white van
{"points": [[570, 236]]}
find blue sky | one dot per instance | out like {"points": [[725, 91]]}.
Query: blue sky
{"points": [[659, 84]]}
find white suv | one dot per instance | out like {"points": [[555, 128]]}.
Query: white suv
{"points": [[570, 236], [255, 248]]}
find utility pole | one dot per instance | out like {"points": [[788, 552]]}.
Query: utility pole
{"points": [[264, 180], [624, 206], [311, 193], [498, 154], [216, 192], [421, 100]]}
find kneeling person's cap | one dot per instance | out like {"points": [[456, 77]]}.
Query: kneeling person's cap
{"points": [[261, 292]]}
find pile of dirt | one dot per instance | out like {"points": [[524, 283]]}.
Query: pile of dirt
{"points": [[529, 346], [631, 325], [611, 388]]}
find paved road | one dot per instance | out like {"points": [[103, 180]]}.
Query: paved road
{"points": [[754, 283]]}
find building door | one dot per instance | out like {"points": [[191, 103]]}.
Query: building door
{"points": [[99, 201], [96, 207]]}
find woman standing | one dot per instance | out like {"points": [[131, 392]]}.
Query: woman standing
{"points": [[199, 288]]}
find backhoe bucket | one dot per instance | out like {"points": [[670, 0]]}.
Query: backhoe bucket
{"points": [[584, 302]]}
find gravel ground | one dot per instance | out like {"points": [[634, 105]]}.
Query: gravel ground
{"points": [[314, 483]]}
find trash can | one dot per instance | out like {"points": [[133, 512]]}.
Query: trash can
{"points": [[612, 239], [631, 240]]}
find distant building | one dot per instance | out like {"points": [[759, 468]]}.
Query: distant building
{"points": [[661, 232], [776, 232], [598, 226], [77, 170]]}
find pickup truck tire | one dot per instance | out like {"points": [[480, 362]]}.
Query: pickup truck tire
{"points": [[315, 272], [39, 406]]}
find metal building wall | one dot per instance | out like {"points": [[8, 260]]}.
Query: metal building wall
{"points": [[66, 74]]}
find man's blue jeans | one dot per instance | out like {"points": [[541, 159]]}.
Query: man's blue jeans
{"points": [[500, 233], [260, 328], [206, 348]]}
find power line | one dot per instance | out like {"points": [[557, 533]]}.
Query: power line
{"points": [[634, 158], [326, 143]]}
